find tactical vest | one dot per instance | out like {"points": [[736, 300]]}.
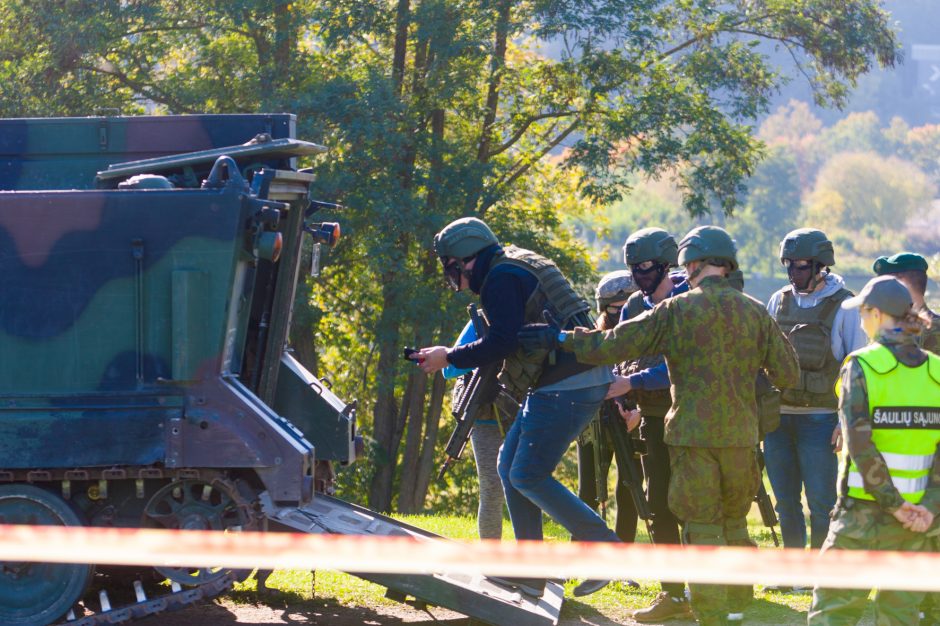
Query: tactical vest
{"points": [[520, 369], [904, 404], [809, 330], [656, 402]]}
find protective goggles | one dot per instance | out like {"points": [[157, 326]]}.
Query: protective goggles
{"points": [[798, 266], [454, 269], [645, 267]]}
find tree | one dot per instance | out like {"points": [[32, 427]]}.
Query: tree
{"points": [[436, 109], [869, 198], [771, 210]]}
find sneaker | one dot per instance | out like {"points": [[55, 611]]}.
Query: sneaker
{"points": [[589, 586], [664, 607]]}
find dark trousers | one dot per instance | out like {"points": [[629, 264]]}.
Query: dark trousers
{"points": [[656, 469]]}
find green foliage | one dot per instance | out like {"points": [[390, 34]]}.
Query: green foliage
{"points": [[868, 197], [771, 209], [435, 110]]}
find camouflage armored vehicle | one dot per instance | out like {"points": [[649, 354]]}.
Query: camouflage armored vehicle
{"points": [[147, 271]]}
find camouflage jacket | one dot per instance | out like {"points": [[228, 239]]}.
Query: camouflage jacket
{"points": [[855, 416], [715, 339], [930, 339]]}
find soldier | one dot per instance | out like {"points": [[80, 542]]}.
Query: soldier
{"points": [[889, 491], [595, 450], [559, 395], [650, 253], [801, 452], [911, 269], [715, 340]]}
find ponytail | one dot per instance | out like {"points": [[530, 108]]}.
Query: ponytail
{"points": [[914, 323]]}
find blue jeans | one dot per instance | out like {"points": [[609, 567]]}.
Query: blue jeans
{"points": [[546, 425], [799, 454]]}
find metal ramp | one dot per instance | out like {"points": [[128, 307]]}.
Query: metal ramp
{"points": [[483, 598]]}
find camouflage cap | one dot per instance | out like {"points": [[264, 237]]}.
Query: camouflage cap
{"points": [[885, 293], [614, 287], [463, 238], [900, 262]]}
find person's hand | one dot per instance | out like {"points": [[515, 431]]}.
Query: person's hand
{"points": [[837, 439], [914, 517], [923, 522], [905, 514], [432, 359], [630, 416], [538, 337], [620, 386]]}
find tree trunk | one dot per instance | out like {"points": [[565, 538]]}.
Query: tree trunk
{"points": [[402, 21], [283, 43], [429, 446], [497, 63], [385, 415], [415, 423]]}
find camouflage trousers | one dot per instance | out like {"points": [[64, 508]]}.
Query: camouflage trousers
{"points": [[710, 492], [862, 525], [930, 607]]}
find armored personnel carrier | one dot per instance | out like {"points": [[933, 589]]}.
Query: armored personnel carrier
{"points": [[148, 266]]}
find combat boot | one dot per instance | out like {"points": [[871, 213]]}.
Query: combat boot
{"points": [[664, 607]]}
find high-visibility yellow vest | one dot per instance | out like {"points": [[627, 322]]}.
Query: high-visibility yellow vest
{"points": [[904, 404]]}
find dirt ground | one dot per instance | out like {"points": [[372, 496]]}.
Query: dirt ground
{"points": [[223, 612]]}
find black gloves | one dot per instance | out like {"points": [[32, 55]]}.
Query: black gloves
{"points": [[538, 337]]}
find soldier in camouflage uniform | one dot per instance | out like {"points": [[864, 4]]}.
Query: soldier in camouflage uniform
{"points": [[911, 269], [889, 491], [715, 340], [650, 253], [558, 395]]}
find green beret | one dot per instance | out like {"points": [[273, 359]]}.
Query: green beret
{"points": [[900, 262]]}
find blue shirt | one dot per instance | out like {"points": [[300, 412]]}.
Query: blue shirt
{"points": [[655, 378]]}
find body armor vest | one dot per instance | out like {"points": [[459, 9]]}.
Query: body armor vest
{"points": [[904, 405], [809, 331], [652, 403], [521, 370]]}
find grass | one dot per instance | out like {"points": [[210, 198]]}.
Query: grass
{"points": [[614, 603]]}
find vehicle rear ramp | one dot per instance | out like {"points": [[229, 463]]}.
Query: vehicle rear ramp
{"points": [[487, 599]]}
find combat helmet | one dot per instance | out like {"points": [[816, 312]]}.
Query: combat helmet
{"points": [[463, 238], [650, 244], [706, 243], [614, 287], [808, 243]]}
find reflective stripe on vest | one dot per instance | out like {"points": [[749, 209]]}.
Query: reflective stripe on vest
{"points": [[904, 404], [911, 488]]}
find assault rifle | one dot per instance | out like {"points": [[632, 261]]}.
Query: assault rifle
{"points": [[764, 504], [482, 390], [626, 454]]}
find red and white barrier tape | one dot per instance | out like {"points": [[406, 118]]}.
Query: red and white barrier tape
{"points": [[403, 555]]}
